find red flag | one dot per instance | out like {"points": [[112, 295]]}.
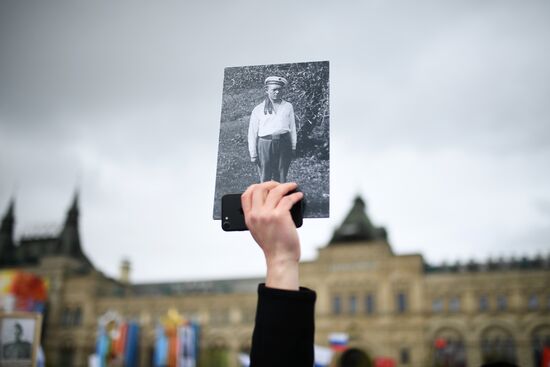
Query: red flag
{"points": [[120, 343], [545, 357], [440, 343], [384, 362]]}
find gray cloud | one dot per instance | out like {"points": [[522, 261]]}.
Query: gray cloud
{"points": [[439, 118]]}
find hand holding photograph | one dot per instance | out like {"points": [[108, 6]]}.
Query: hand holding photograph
{"points": [[275, 126]]}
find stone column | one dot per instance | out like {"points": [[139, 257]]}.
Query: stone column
{"points": [[473, 352], [524, 353]]}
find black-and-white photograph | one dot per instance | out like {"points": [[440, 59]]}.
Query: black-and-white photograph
{"points": [[275, 126], [19, 339]]}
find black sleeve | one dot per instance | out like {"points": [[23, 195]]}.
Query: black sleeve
{"points": [[284, 329]]}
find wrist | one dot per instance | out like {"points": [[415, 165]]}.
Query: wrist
{"points": [[283, 274]]}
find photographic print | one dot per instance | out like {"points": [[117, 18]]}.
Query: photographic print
{"points": [[275, 125], [19, 339]]}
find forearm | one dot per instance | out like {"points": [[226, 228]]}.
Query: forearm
{"points": [[284, 329]]}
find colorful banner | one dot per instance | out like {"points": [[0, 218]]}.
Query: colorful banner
{"points": [[177, 342], [117, 342], [22, 291]]}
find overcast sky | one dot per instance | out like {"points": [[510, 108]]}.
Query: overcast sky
{"points": [[440, 119]]}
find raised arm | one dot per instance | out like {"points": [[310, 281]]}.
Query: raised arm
{"points": [[284, 328], [267, 215]]}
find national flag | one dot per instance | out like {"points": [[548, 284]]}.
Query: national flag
{"points": [[338, 341]]}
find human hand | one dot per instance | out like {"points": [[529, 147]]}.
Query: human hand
{"points": [[267, 215]]}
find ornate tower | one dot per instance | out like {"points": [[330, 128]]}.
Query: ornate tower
{"points": [[357, 227], [69, 238]]}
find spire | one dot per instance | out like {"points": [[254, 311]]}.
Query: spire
{"points": [[357, 226], [8, 219], [72, 213], [7, 247], [69, 238]]}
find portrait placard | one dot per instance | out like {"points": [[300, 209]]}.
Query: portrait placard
{"points": [[19, 338], [275, 125]]}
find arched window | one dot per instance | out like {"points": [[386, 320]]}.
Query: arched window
{"points": [[77, 317], [497, 345], [352, 304], [540, 340], [449, 349], [370, 305]]}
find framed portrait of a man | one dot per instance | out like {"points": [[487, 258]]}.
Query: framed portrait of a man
{"points": [[275, 126], [19, 338]]}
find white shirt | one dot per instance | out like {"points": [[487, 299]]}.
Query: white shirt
{"points": [[279, 122]]}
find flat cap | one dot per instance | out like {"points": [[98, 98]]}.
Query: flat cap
{"points": [[276, 80]]}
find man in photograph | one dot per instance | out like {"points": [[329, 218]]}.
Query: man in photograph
{"points": [[18, 349], [272, 132]]}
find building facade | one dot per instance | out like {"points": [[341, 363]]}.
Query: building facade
{"points": [[390, 305]]}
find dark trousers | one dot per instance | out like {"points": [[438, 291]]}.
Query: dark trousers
{"points": [[275, 154]]}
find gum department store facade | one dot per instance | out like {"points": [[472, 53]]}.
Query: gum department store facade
{"points": [[390, 305]]}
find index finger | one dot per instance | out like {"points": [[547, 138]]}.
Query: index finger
{"points": [[275, 195], [260, 192]]}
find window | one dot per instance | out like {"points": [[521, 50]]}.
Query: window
{"points": [[369, 304], [77, 317], [66, 316], [336, 305], [401, 302], [404, 355], [533, 302], [72, 316], [352, 305], [454, 304], [483, 303], [437, 305], [449, 348], [502, 303]]}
